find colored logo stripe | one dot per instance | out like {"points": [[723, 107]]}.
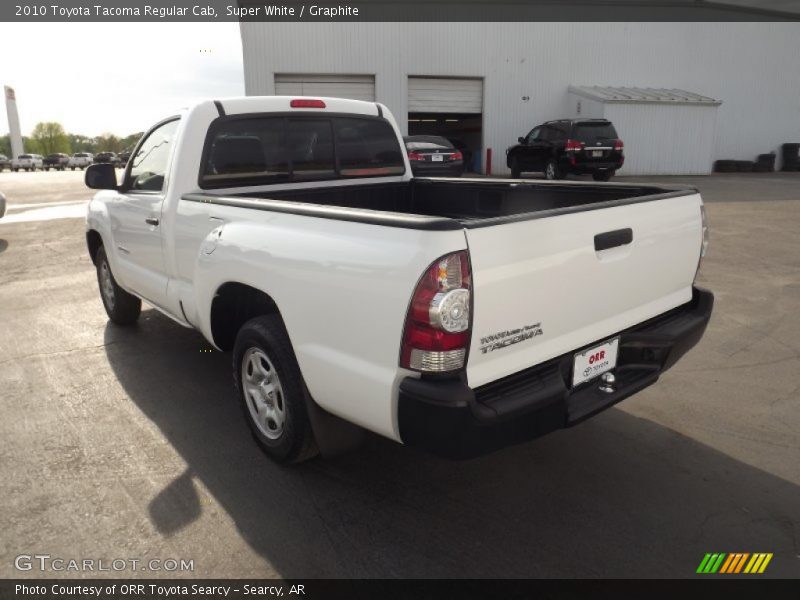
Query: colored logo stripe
{"points": [[734, 562]]}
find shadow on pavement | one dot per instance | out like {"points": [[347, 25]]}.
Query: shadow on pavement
{"points": [[3, 245], [617, 496]]}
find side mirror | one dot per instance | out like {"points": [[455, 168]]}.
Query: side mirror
{"points": [[101, 176], [521, 140]]}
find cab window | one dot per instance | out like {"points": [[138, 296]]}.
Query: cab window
{"points": [[149, 164]]}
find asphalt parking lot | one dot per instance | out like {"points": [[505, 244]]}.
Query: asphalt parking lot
{"points": [[126, 443]]}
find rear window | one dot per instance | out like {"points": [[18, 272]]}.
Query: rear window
{"points": [[258, 150], [25, 156], [591, 133], [428, 142]]}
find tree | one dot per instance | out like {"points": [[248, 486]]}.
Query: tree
{"points": [[80, 143], [130, 141], [5, 145], [108, 142], [31, 146], [50, 137]]}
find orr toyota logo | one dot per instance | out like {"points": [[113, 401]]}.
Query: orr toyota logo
{"points": [[504, 339]]}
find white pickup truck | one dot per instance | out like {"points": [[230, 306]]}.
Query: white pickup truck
{"points": [[80, 160], [458, 316]]}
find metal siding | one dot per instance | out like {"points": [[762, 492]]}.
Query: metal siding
{"points": [[445, 95], [758, 81], [663, 139], [355, 87]]}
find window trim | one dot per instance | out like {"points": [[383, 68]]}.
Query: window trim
{"points": [[217, 123], [124, 187]]}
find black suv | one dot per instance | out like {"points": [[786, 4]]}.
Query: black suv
{"points": [[577, 146], [106, 157]]}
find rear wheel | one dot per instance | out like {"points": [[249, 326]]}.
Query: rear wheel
{"points": [[516, 172], [122, 308], [602, 175], [271, 390], [552, 171]]}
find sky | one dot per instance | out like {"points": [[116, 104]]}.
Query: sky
{"points": [[118, 78]]}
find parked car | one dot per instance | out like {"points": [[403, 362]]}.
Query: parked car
{"points": [[56, 161], [458, 316], [27, 162], [433, 155], [80, 160], [569, 146], [122, 158], [5, 162], [106, 157], [2, 205]]}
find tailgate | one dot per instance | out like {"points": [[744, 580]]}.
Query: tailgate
{"points": [[542, 288]]}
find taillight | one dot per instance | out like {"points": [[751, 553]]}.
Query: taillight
{"points": [[306, 103], [574, 146], [456, 156], [437, 329], [705, 238], [618, 145], [414, 156]]}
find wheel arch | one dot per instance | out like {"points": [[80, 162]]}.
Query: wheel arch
{"points": [[234, 304], [93, 242]]}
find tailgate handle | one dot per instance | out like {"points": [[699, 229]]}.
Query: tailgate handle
{"points": [[612, 239]]}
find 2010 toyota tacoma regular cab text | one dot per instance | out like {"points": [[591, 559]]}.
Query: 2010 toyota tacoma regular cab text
{"points": [[454, 315]]}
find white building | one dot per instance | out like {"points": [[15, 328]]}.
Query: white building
{"points": [[489, 83]]}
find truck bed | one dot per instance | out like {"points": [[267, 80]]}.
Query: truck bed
{"points": [[471, 202]]}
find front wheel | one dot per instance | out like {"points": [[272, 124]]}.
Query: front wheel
{"points": [[271, 390], [516, 170], [603, 175], [121, 307], [552, 170]]}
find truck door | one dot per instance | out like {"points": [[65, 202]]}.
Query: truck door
{"points": [[136, 215]]}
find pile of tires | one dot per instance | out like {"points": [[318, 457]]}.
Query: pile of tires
{"points": [[744, 166], [725, 166], [765, 163], [791, 160]]}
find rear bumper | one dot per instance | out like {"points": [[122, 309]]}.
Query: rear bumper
{"points": [[449, 418], [453, 168], [584, 168]]}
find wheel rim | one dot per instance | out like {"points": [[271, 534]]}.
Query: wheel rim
{"points": [[107, 285], [263, 393], [551, 171]]}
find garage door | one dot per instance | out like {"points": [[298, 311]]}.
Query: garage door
{"points": [[445, 95], [356, 87]]}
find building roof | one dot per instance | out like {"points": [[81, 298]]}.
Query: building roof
{"points": [[641, 95]]}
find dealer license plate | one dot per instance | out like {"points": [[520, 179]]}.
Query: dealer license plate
{"points": [[595, 361], [437, 157], [597, 153]]}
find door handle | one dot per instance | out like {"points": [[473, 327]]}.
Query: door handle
{"points": [[152, 221], [612, 239]]}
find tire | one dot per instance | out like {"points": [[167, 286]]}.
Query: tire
{"points": [[516, 172], [271, 391], [603, 175], [121, 307], [552, 171]]}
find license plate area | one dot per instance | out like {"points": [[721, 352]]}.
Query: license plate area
{"points": [[437, 157], [595, 361], [597, 154]]}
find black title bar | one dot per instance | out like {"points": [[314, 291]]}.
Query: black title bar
{"points": [[389, 11]]}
